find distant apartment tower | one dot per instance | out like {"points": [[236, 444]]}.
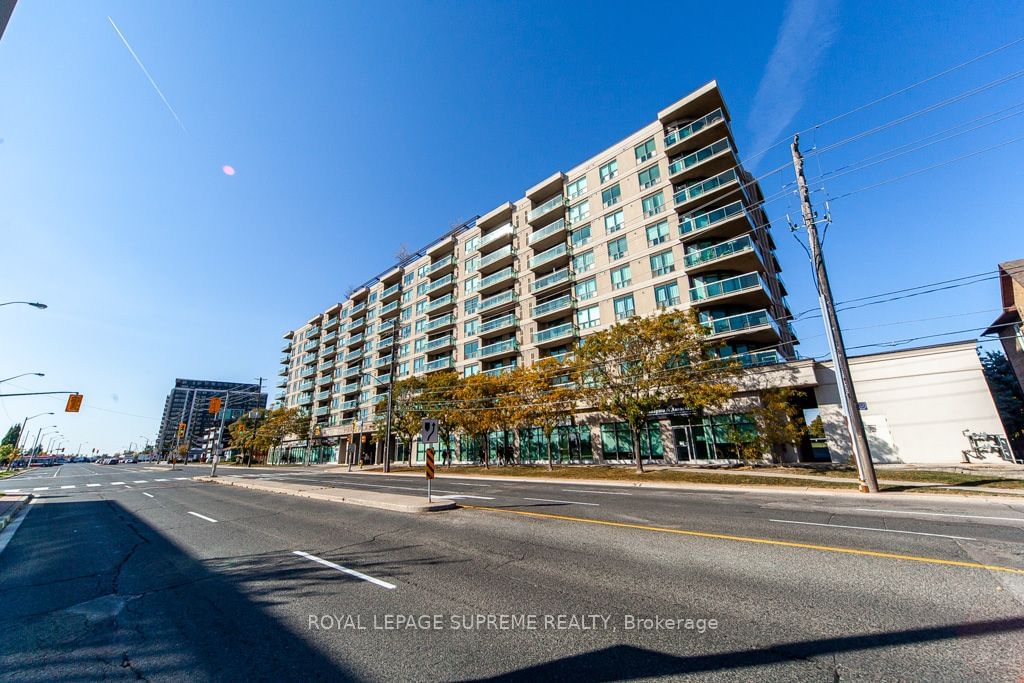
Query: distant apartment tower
{"points": [[188, 403], [665, 219]]}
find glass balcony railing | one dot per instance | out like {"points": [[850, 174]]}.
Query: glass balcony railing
{"points": [[310, 345], [500, 370], [740, 322], [438, 265], [499, 347], [497, 300], [384, 378], [699, 189], [691, 160], [357, 309], [439, 364], [354, 339], [309, 358], [549, 255], [325, 366], [315, 330], [709, 219], [384, 310], [330, 336], [305, 399], [350, 388], [349, 405], [445, 300], [546, 231], [496, 256], [693, 127], [537, 212], [719, 251], [305, 385], [437, 284], [308, 372], [549, 280], [562, 302], [321, 411], [557, 332], [732, 285], [393, 289], [386, 325], [500, 276], [352, 355], [498, 323], [495, 235], [439, 343], [437, 323], [326, 379], [321, 395], [381, 362], [759, 358]]}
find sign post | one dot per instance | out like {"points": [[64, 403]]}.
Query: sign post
{"points": [[430, 469], [428, 435]]}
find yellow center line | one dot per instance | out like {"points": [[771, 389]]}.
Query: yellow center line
{"points": [[749, 539]]}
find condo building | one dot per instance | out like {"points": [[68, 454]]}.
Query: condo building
{"points": [[667, 218]]}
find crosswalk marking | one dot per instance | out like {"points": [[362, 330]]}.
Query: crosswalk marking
{"points": [[139, 481], [69, 486], [92, 484], [116, 483]]}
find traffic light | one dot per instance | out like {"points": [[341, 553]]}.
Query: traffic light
{"points": [[181, 429], [74, 403], [215, 404]]}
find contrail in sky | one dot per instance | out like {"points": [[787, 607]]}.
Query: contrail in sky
{"points": [[146, 71]]}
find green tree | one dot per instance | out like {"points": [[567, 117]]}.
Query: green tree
{"points": [[6, 453], [11, 437], [544, 397], [476, 416], [640, 365], [440, 402], [407, 412], [776, 423]]}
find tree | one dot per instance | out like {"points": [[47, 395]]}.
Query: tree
{"points": [[11, 437], [440, 402], [476, 415], [406, 412], [544, 397], [245, 434], [639, 365], [776, 423], [1007, 394], [507, 410], [6, 453], [277, 424]]}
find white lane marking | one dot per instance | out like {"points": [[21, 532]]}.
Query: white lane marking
{"points": [[551, 500], [161, 480], [346, 570], [940, 514], [68, 486], [117, 483], [462, 483], [148, 494], [8, 533], [870, 528], [10, 490], [58, 471], [42, 488], [90, 485], [140, 481], [603, 493], [459, 496], [181, 479], [208, 519]]}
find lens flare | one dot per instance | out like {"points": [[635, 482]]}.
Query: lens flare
{"points": [[228, 170]]}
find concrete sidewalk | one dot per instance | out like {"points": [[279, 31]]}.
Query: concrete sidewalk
{"points": [[383, 501]]}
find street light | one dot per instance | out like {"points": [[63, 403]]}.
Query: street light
{"points": [[24, 374], [21, 434], [33, 304]]}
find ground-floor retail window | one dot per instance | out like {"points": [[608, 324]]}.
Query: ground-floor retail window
{"points": [[712, 437], [617, 441], [568, 444], [444, 451]]}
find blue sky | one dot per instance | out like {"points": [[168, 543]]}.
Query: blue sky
{"points": [[355, 128]]}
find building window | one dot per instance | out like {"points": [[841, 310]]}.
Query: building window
{"points": [[470, 264], [403, 368], [586, 289], [611, 196], [469, 327], [421, 288], [418, 363], [644, 151], [471, 370], [408, 278], [470, 350], [624, 307], [403, 349], [613, 222], [617, 249], [649, 176], [617, 441], [577, 188], [581, 235], [657, 233], [666, 295], [621, 277], [407, 296], [588, 317], [471, 304], [609, 170], [422, 270], [653, 204], [417, 346], [472, 284], [581, 263], [421, 325], [579, 212], [406, 314], [471, 244], [663, 263], [421, 306]]}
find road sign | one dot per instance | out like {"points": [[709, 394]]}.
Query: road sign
{"points": [[430, 463], [215, 404], [428, 431], [74, 403]]}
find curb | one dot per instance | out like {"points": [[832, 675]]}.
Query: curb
{"points": [[393, 502], [9, 516]]}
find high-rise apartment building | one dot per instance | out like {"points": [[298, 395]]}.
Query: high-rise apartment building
{"points": [[188, 403], [665, 219]]}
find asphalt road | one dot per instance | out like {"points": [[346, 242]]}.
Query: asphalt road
{"points": [[133, 571]]}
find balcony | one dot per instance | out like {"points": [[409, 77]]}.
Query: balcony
{"points": [[386, 342], [310, 345], [332, 323], [328, 351], [553, 257], [285, 360], [496, 260], [741, 254], [445, 302], [502, 348], [495, 325], [384, 378], [705, 190], [357, 309], [308, 372], [553, 309], [674, 140], [383, 361], [497, 280], [330, 336], [731, 220], [324, 381], [558, 333], [558, 277], [754, 359], [357, 325], [756, 325], [349, 405], [287, 348], [496, 238], [352, 355], [305, 400], [439, 343], [445, 284], [445, 265], [321, 411], [439, 364], [322, 395], [711, 160], [389, 308], [352, 372], [326, 366], [548, 235], [539, 212], [391, 292], [500, 370], [308, 358], [387, 325], [354, 339], [350, 388], [440, 323], [314, 331], [493, 302]]}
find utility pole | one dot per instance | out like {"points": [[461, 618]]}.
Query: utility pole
{"points": [[841, 365], [391, 385]]}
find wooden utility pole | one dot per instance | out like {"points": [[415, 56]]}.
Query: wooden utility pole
{"points": [[841, 366]]}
